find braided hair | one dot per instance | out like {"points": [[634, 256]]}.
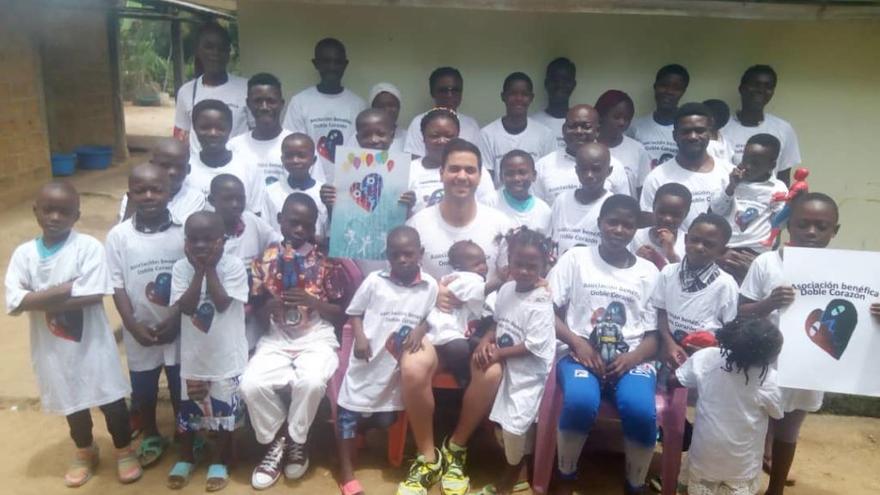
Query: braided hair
{"points": [[747, 343], [438, 113], [524, 237]]}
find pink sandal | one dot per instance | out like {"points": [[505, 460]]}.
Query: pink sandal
{"points": [[352, 487]]}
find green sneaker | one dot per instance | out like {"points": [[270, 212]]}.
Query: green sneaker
{"points": [[422, 476], [453, 481]]}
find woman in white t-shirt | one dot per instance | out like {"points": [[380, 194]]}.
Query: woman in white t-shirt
{"points": [[385, 96], [457, 217], [213, 47], [609, 327], [616, 110]]}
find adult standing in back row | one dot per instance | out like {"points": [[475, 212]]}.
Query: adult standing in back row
{"points": [[447, 86], [654, 131], [756, 88], [559, 81], [327, 111], [213, 46]]}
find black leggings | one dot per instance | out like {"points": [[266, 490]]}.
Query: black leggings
{"points": [[116, 416]]}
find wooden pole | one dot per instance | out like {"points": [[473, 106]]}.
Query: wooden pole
{"points": [[177, 54]]}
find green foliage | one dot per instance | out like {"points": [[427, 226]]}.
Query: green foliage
{"points": [[143, 65], [851, 405]]}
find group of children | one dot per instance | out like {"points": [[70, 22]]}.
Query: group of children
{"points": [[219, 273]]}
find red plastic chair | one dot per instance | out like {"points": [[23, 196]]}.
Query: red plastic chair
{"points": [[671, 412], [354, 278]]}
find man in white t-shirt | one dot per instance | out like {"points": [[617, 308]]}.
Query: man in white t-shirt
{"points": [[654, 131], [446, 85], [457, 217], [692, 166], [261, 148], [326, 112], [212, 50], [515, 130], [756, 88], [559, 82], [556, 171]]}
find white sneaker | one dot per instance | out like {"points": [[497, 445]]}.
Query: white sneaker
{"points": [[269, 469]]}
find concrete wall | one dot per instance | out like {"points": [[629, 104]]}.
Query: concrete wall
{"points": [[77, 68], [24, 145], [829, 71]]}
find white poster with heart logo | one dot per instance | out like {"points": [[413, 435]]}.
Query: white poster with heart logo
{"points": [[368, 184], [832, 343]]}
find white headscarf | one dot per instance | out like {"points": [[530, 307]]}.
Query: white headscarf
{"points": [[384, 87]]}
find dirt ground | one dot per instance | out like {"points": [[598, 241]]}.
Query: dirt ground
{"points": [[837, 455]]}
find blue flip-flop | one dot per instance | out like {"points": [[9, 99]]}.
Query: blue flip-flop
{"points": [[180, 474], [218, 477]]}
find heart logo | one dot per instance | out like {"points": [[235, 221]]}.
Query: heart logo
{"points": [[327, 144], [158, 291], [67, 325], [505, 340], [743, 219], [203, 317], [367, 192], [394, 344], [832, 329]]}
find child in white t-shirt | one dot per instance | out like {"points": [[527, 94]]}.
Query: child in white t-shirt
{"points": [[326, 112], [524, 343], [173, 156], [298, 158], [246, 237], [738, 395], [60, 279], [211, 289], [515, 130], [719, 148], [751, 199], [616, 110], [141, 253], [515, 199], [695, 295], [383, 314], [663, 242], [575, 214]]}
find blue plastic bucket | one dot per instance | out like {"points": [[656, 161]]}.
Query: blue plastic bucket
{"points": [[63, 164], [94, 157]]}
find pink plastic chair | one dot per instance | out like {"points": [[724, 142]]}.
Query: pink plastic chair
{"points": [[355, 277], [671, 412]]}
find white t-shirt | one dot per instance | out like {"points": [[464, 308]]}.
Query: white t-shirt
{"points": [[720, 149], [233, 92], [183, 204], [438, 236], [738, 135], [732, 417], [536, 218], [276, 195], [643, 238], [399, 143], [73, 353], [573, 223], [587, 285], [707, 309], [141, 264], [635, 159], [213, 345], [262, 155], [469, 130], [552, 123], [764, 275], [749, 211], [386, 307], [317, 115], [201, 175], [470, 289], [702, 185], [556, 174], [426, 184], [536, 139], [523, 318], [656, 138]]}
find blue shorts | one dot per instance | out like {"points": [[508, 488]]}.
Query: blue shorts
{"points": [[633, 395], [347, 421], [145, 386]]}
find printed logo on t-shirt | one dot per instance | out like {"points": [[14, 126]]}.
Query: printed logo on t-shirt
{"points": [[505, 341], [327, 144], [394, 344], [67, 325], [158, 291], [433, 198], [744, 218], [663, 158], [271, 179], [832, 329], [203, 317], [607, 336]]}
